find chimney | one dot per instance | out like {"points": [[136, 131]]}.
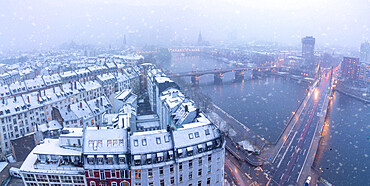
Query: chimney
{"points": [[15, 99], [69, 107], [81, 104], [38, 97], [3, 101], [75, 85], [197, 111], [71, 86], [37, 127], [186, 108], [44, 92], [101, 101], [97, 103], [28, 98], [123, 122], [53, 88]]}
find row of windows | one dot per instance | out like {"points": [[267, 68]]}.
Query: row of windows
{"points": [[125, 174], [53, 178]]}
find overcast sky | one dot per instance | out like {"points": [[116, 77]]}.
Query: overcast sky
{"points": [[47, 23]]}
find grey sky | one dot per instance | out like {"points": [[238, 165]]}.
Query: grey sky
{"points": [[46, 23]]}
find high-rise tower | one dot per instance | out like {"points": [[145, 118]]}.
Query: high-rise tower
{"points": [[308, 47]]}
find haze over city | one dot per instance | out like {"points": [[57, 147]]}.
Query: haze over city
{"points": [[41, 24]]}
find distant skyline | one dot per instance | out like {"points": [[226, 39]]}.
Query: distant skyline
{"points": [[41, 24]]}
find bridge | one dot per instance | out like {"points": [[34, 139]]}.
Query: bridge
{"points": [[218, 73]]}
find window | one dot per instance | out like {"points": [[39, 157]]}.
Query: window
{"points": [[180, 166], [109, 144], [113, 173], [206, 132], [190, 164], [158, 140], [171, 169], [180, 178], [91, 173], [136, 143], [208, 181], [209, 169], [172, 180], [150, 173], [123, 183], [191, 136], [114, 183], [144, 142], [166, 139], [200, 161], [161, 182], [137, 174], [124, 174], [200, 172], [196, 134], [92, 183], [190, 175], [161, 171], [102, 175], [199, 183], [209, 157], [53, 178], [151, 183], [121, 142]]}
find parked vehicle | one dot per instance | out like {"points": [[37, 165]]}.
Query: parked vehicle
{"points": [[14, 172], [308, 180]]}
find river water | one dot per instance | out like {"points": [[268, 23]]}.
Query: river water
{"points": [[345, 147], [264, 105]]}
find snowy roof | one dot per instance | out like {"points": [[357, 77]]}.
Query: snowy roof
{"points": [[67, 74], [12, 106], [34, 84], [82, 71], [52, 125], [172, 97], [91, 85], [99, 105], [51, 147], [17, 87], [106, 77], [96, 141], [4, 90], [194, 133], [150, 141], [52, 79]]}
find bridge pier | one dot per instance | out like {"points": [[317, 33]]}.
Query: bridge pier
{"points": [[218, 78], [239, 75], [195, 80]]}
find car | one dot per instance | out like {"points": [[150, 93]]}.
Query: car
{"points": [[308, 180], [14, 172]]}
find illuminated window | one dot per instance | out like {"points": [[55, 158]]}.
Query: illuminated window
{"points": [[137, 174]]}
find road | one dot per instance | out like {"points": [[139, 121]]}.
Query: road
{"points": [[287, 164]]}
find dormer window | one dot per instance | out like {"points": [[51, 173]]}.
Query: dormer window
{"points": [[191, 136], [121, 159], [137, 160], [196, 134], [110, 159], [144, 142], [158, 139], [148, 158], [90, 159], [207, 131], [100, 159], [179, 152], [200, 148], [170, 154], [136, 143], [159, 156], [189, 151]]}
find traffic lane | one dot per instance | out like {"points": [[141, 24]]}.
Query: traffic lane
{"points": [[298, 148], [297, 127], [236, 171], [298, 159]]}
